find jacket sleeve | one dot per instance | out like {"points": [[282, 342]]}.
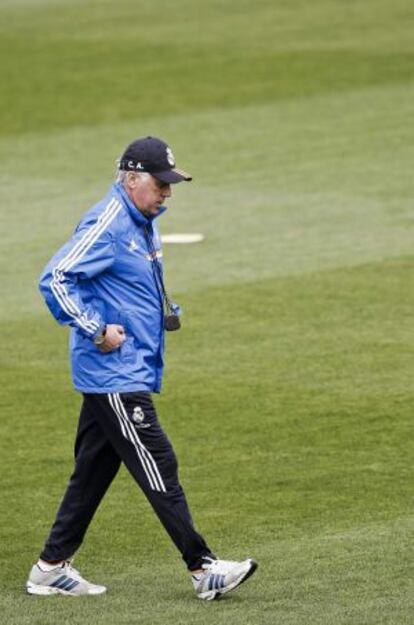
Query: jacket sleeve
{"points": [[90, 251]]}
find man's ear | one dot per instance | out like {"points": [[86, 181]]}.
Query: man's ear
{"points": [[131, 180]]}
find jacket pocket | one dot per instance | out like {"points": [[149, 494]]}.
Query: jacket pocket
{"points": [[127, 351]]}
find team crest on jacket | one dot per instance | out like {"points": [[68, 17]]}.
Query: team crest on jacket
{"points": [[132, 246]]}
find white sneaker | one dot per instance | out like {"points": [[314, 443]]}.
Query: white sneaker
{"points": [[221, 576], [63, 579]]}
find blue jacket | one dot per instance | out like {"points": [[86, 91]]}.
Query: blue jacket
{"points": [[106, 274]]}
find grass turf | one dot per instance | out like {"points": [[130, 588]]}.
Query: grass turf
{"points": [[288, 392]]}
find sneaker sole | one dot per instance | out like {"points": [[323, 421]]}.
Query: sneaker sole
{"points": [[215, 595], [47, 591]]}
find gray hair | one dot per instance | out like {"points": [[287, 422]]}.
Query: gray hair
{"points": [[122, 175]]}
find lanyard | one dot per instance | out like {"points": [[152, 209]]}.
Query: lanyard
{"points": [[157, 269]]}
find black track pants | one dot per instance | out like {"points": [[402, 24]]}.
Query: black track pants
{"points": [[113, 428]]}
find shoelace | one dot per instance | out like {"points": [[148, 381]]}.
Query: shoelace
{"points": [[71, 571], [219, 566]]}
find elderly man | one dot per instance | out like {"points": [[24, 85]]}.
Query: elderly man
{"points": [[107, 283]]}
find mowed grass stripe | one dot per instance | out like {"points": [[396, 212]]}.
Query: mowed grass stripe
{"points": [[221, 81], [101, 70]]}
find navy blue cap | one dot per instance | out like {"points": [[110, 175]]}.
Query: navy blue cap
{"points": [[155, 157]]}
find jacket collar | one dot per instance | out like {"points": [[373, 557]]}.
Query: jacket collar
{"points": [[136, 215]]}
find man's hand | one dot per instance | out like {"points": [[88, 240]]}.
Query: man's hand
{"points": [[114, 337]]}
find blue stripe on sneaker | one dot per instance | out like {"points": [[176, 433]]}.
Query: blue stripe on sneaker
{"points": [[58, 581], [211, 581], [65, 585], [73, 583]]}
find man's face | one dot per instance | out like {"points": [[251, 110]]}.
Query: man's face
{"points": [[147, 193]]}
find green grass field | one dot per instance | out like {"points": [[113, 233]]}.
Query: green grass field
{"points": [[289, 391]]}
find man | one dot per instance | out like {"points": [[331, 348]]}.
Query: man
{"points": [[107, 283]]}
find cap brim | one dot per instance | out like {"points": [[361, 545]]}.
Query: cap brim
{"points": [[171, 176]]}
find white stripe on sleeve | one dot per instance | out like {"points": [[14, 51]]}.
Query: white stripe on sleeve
{"points": [[75, 255]]}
